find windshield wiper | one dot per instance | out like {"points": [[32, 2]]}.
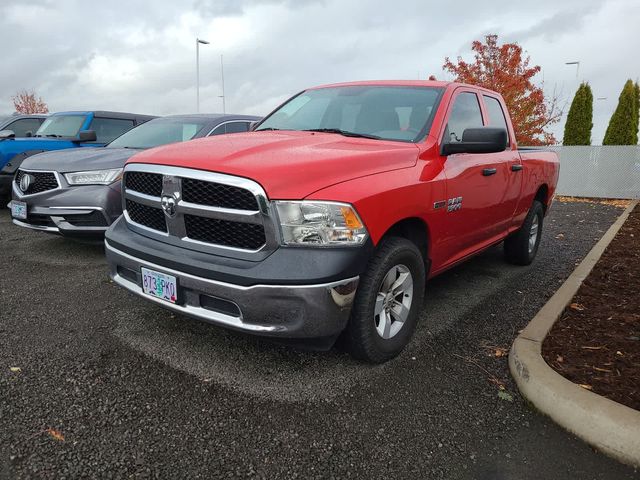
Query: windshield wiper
{"points": [[268, 129], [346, 133]]}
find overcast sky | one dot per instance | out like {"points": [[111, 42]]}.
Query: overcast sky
{"points": [[139, 55]]}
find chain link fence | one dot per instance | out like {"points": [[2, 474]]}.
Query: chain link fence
{"points": [[599, 171]]}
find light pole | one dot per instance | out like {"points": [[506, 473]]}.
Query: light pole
{"points": [[577, 64], [198, 42], [224, 109]]}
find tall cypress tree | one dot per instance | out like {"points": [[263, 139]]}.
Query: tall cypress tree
{"points": [[623, 126], [577, 130], [636, 112]]}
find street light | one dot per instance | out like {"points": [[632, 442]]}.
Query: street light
{"points": [[198, 42], [577, 64], [224, 109]]}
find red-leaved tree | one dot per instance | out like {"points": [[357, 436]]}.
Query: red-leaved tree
{"points": [[503, 68], [27, 102]]}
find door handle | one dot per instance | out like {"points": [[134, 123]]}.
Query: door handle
{"points": [[489, 171], [516, 167]]}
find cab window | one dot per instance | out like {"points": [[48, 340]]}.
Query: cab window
{"points": [[496, 114], [24, 125], [465, 113]]}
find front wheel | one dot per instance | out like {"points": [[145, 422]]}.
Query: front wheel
{"points": [[387, 302], [520, 247]]}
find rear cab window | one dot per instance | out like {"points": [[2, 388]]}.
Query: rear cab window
{"points": [[496, 114]]}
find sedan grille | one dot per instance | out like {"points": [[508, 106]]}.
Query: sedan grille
{"points": [[40, 181]]}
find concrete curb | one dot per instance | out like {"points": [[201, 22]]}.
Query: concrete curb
{"points": [[604, 424]]}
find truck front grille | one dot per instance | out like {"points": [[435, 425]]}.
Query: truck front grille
{"points": [[150, 217], [217, 195], [199, 210], [248, 236], [40, 181], [147, 183]]}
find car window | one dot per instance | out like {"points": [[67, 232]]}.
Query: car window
{"points": [[464, 114], [496, 114], [108, 129], [61, 126], [231, 127], [24, 125], [159, 131]]}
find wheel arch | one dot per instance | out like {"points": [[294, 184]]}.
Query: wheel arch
{"points": [[416, 230], [542, 195]]}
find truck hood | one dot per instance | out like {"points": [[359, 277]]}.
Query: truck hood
{"points": [[288, 165], [77, 159]]}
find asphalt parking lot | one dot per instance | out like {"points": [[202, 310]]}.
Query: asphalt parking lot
{"points": [[137, 391]]}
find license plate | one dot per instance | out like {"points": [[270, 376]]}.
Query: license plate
{"points": [[19, 210], [160, 285]]}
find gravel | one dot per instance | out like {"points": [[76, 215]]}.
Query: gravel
{"points": [[138, 391]]}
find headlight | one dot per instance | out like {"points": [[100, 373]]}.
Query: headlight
{"points": [[320, 223], [94, 177]]}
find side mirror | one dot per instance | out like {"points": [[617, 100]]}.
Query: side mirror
{"points": [[7, 134], [253, 125], [86, 136], [28, 134], [478, 140]]}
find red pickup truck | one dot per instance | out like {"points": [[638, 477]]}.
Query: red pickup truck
{"points": [[328, 218]]}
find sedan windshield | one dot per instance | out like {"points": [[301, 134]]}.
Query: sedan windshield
{"points": [[159, 131], [378, 112], [61, 126]]}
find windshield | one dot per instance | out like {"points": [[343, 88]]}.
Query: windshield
{"points": [[159, 132], [389, 113], [61, 126]]}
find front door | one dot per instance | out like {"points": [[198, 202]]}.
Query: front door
{"points": [[476, 183]]}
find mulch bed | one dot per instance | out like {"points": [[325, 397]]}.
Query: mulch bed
{"points": [[596, 341]]}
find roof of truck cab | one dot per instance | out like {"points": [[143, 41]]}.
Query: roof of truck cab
{"points": [[401, 83]]}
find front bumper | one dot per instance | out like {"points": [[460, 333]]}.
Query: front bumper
{"points": [[287, 311], [78, 211]]}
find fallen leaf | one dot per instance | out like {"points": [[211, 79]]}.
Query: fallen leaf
{"points": [[620, 353], [500, 352], [560, 236], [585, 386], [55, 434], [15, 369], [592, 348], [577, 306], [503, 395], [559, 359]]}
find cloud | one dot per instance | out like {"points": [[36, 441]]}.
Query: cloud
{"points": [[140, 56]]}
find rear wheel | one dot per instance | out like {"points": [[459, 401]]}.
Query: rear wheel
{"points": [[521, 247], [387, 302]]}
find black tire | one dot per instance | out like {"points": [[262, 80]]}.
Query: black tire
{"points": [[516, 246], [361, 337]]}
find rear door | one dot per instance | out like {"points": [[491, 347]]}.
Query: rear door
{"points": [[512, 167], [476, 183]]}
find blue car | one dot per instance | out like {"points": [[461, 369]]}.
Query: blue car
{"points": [[59, 131]]}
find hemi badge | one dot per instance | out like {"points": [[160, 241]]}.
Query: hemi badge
{"points": [[439, 204]]}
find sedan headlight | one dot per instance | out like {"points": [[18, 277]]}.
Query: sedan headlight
{"points": [[94, 177], [313, 223]]}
